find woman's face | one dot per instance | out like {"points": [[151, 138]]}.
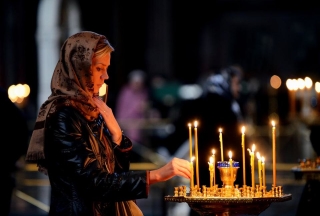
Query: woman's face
{"points": [[99, 69]]}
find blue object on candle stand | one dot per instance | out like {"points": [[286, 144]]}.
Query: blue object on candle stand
{"points": [[226, 164]]}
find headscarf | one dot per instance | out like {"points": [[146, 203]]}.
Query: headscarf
{"points": [[71, 85]]}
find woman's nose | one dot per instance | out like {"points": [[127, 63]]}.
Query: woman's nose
{"points": [[104, 76]]}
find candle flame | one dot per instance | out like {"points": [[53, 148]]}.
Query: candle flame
{"points": [[243, 129], [230, 154], [189, 125], [258, 155], [273, 123], [220, 130], [253, 147], [262, 159], [192, 159], [211, 160], [213, 151], [195, 124]]}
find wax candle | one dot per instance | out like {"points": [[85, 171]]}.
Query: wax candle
{"points": [[211, 168], [263, 172], [251, 152], [221, 143], [231, 165], [259, 169], [192, 174], [243, 156], [196, 151], [274, 153], [190, 140], [214, 164]]}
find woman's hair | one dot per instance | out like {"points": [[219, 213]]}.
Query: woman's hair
{"points": [[103, 47]]}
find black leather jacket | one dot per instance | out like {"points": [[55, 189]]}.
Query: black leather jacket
{"points": [[80, 182]]}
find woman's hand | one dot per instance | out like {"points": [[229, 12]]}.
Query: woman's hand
{"points": [[176, 167], [110, 120]]}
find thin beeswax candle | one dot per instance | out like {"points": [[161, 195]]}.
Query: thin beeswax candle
{"points": [[243, 156], [274, 153], [221, 143], [196, 151]]}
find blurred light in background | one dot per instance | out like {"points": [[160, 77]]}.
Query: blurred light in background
{"points": [[17, 93], [275, 81], [301, 83], [317, 87], [292, 84], [308, 82], [190, 92]]}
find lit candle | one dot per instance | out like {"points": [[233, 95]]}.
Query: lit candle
{"points": [[243, 157], [221, 143], [190, 140], [230, 165], [192, 175], [263, 172], [214, 164], [252, 164], [259, 169], [196, 151], [274, 153], [211, 170]]}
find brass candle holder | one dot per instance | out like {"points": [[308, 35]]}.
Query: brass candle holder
{"points": [[228, 174]]}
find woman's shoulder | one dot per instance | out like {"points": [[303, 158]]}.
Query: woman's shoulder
{"points": [[67, 111], [66, 114]]}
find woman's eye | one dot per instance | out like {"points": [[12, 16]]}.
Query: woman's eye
{"points": [[99, 69]]}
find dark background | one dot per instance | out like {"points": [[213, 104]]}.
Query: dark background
{"points": [[182, 40]]}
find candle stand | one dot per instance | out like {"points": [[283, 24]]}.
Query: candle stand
{"points": [[229, 200], [228, 206]]}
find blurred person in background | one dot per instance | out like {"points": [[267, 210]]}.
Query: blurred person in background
{"points": [[132, 106], [15, 138]]}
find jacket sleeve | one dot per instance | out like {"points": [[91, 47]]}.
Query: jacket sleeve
{"points": [[70, 160]]}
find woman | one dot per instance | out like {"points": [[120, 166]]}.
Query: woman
{"points": [[89, 174]]}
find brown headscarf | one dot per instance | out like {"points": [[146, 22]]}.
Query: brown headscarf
{"points": [[71, 85]]}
